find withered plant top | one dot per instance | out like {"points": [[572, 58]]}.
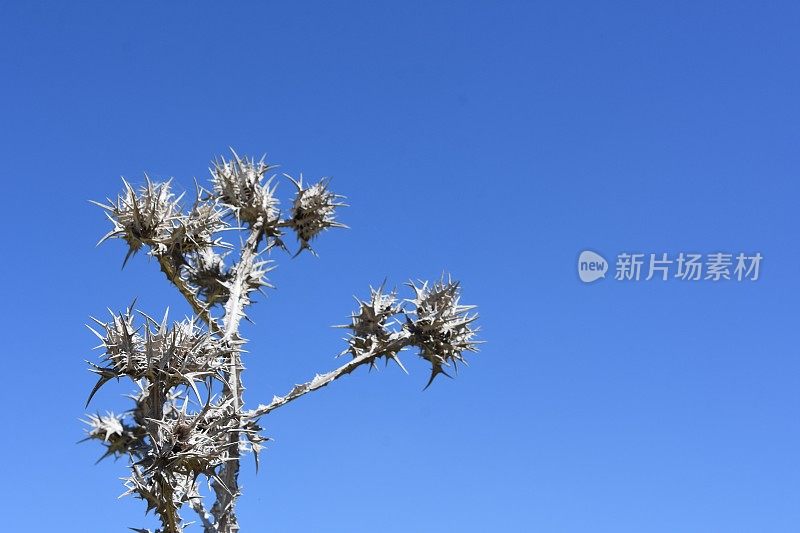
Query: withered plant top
{"points": [[188, 422]]}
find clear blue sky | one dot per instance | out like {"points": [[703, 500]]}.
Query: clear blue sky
{"points": [[492, 140]]}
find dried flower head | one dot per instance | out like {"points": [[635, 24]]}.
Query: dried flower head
{"points": [[118, 437], [195, 231], [239, 183], [190, 444], [440, 326], [121, 343], [177, 354], [370, 326], [182, 446], [313, 211], [104, 427], [142, 219], [208, 276]]}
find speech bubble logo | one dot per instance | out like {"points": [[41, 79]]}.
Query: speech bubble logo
{"points": [[591, 266]]}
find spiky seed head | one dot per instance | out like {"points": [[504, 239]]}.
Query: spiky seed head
{"points": [[180, 351], [207, 274], [122, 344], [440, 326], [190, 444], [182, 446], [118, 437], [313, 211], [370, 325], [146, 218], [177, 446], [104, 427], [239, 184], [172, 355], [195, 231]]}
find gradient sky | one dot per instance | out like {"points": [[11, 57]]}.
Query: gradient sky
{"points": [[492, 140]]}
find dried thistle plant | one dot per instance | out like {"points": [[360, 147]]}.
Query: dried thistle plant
{"points": [[188, 427]]}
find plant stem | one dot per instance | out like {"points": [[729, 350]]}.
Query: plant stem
{"points": [[400, 341], [224, 508], [202, 310]]}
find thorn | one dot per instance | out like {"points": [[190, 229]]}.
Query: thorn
{"points": [[397, 360], [436, 371]]}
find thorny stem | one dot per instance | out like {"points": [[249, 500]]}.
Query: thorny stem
{"points": [[205, 517], [228, 490], [401, 340], [173, 275], [203, 311], [223, 510]]}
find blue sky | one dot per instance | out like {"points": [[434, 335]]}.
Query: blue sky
{"points": [[492, 140]]}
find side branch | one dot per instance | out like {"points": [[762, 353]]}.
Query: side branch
{"points": [[401, 341], [198, 307], [205, 517]]}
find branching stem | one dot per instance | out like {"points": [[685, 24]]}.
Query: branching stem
{"points": [[223, 510], [173, 275], [401, 340]]}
